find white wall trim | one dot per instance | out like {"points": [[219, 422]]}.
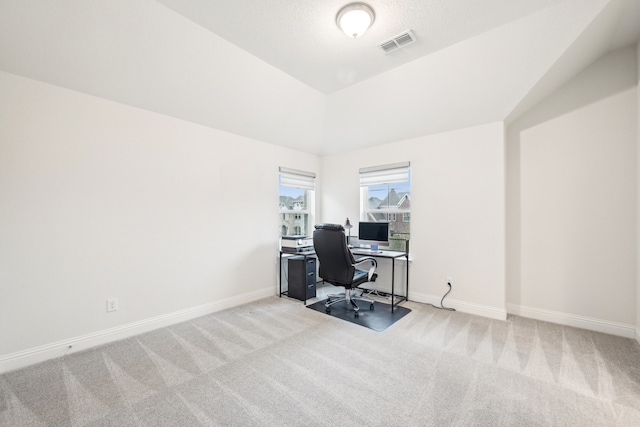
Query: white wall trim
{"points": [[590, 323], [463, 306], [638, 335], [38, 354]]}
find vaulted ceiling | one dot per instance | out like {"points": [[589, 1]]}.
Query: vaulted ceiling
{"points": [[280, 71]]}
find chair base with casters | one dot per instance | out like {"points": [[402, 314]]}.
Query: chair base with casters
{"points": [[350, 297]]}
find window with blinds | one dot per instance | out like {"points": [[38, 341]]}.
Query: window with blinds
{"points": [[385, 196], [297, 202]]}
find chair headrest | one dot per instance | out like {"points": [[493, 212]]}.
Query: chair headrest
{"points": [[334, 227]]}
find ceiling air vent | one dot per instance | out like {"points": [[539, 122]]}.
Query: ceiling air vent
{"points": [[397, 42]]}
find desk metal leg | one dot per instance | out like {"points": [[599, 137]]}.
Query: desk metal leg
{"points": [[393, 282], [406, 287], [280, 275]]}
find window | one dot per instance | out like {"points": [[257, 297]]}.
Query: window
{"points": [[385, 193], [297, 202]]}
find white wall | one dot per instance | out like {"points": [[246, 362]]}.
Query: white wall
{"points": [[572, 210], [102, 200], [457, 212], [638, 207]]}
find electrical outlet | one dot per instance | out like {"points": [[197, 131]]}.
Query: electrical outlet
{"points": [[112, 304], [449, 279]]}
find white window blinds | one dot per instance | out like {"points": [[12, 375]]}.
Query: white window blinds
{"points": [[297, 179], [384, 174]]}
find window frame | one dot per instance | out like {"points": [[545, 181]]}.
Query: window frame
{"points": [[304, 181], [376, 176]]}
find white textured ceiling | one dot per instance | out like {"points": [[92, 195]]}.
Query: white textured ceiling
{"points": [[280, 71], [301, 38]]}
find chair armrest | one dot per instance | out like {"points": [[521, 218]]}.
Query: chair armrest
{"points": [[374, 264], [367, 258]]}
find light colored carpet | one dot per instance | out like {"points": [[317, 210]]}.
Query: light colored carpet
{"points": [[276, 363]]}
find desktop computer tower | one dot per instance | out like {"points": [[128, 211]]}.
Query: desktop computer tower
{"points": [[302, 277]]}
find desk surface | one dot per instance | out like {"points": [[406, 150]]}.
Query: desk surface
{"points": [[355, 251], [379, 253]]}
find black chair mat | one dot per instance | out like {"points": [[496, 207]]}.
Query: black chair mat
{"points": [[378, 319]]}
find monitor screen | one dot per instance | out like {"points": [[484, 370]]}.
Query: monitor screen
{"points": [[373, 233]]}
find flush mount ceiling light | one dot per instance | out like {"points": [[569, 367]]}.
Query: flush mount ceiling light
{"points": [[355, 18]]}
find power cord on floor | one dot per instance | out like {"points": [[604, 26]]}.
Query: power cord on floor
{"points": [[442, 307]]}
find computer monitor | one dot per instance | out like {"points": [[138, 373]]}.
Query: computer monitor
{"points": [[373, 233]]}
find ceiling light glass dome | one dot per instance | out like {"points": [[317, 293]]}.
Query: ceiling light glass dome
{"points": [[354, 19]]}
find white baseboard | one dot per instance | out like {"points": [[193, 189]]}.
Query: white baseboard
{"points": [[592, 324], [30, 356], [465, 307]]}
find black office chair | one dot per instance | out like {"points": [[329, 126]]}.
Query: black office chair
{"points": [[338, 267]]}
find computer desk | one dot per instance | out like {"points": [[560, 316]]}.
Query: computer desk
{"points": [[392, 255]]}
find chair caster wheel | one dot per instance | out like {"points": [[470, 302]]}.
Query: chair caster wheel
{"points": [[357, 315], [371, 307], [327, 310]]}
